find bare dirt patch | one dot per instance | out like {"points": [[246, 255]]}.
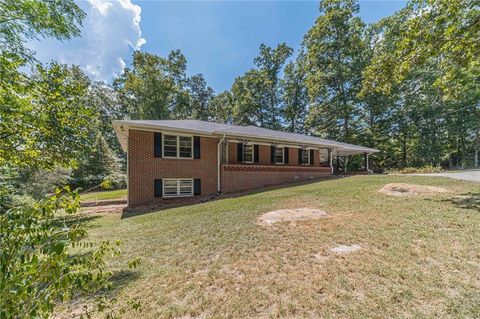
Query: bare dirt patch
{"points": [[105, 209], [345, 249], [402, 189], [291, 215]]}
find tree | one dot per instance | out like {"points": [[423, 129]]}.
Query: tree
{"points": [[294, 98], [44, 124], [427, 52], [428, 29], [104, 100], [257, 94], [23, 20], [250, 97], [155, 87], [334, 61], [96, 163], [270, 62], [23, 110], [201, 97], [49, 124], [222, 107]]}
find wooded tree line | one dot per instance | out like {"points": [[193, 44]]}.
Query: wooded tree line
{"points": [[407, 85]]}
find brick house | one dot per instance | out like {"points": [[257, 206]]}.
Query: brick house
{"points": [[171, 159]]}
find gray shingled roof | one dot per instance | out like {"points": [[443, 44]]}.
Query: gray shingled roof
{"points": [[234, 131]]}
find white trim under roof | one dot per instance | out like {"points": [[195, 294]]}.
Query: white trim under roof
{"points": [[209, 129]]}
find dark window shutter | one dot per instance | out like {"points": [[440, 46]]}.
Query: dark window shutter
{"points": [[158, 188], [197, 186], [256, 153], [157, 144], [285, 154], [196, 147], [311, 157], [299, 156], [239, 152], [272, 154]]}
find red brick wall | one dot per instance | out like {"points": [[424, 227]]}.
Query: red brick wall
{"points": [[144, 168], [237, 177]]}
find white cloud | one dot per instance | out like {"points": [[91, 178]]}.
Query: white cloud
{"points": [[111, 31]]}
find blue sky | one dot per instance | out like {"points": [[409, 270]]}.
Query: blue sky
{"points": [[220, 39]]}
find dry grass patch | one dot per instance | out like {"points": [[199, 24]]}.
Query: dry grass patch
{"points": [[402, 189], [418, 259], [290, 215]]}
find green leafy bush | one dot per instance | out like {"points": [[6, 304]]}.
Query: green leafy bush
{"points": [[45, 259], [106, 184], [115, 181], [416, 170]]}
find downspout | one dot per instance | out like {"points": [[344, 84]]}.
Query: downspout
{"points": [[219, 164], [330, 160], [128, 169]]}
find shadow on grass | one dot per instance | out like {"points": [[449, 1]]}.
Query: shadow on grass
{"points": [[121, 278], [466, 201], [175, 202], [75, 307], [70, 220]]}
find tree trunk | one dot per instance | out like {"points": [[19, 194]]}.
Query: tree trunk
{"points": [[404, 151], [477, 147]]}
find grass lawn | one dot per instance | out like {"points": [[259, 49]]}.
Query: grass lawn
{"points": [[420, 255], [104, 195]]}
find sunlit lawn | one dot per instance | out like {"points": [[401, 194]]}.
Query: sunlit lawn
{"points": [[420, 256], [104, 195]]}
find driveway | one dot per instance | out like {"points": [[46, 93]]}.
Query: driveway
{"points": [[467, 175]]}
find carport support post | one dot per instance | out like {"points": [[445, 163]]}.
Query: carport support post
{"points": [[365, 157]]}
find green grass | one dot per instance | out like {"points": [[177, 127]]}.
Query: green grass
{"points": [[420, 255], [104, 195]]}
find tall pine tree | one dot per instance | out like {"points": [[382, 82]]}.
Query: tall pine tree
{"points": [[334, 61]]}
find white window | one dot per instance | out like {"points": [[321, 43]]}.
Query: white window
{"points": [[185, 149], [279, 155], [248, 155], [177, 187], [177, 146], [170, 146], [305, 157]]}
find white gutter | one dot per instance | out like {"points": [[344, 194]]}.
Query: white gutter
{"points": [[219, 164]]}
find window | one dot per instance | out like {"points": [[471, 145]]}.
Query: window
{"points": [[177, 187], [185, 146], [248, 155], [305, 157], [279, 155], [177, 146]]}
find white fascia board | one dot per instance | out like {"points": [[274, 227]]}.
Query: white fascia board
{"points": [[122, 129]]}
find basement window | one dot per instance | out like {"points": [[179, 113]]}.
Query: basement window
{"points": [[177, 187]]}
